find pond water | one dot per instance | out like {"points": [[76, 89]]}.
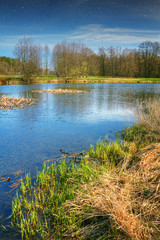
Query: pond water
{"points": [[60, 121]]}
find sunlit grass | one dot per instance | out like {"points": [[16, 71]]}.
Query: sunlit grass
{"points": [[47, 77], [147, 129], [39, 210], [123, 79], [88, 78]]}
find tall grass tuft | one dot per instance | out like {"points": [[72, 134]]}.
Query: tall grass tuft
{"points": [[108, 152], [149, 115], [147, 128]]}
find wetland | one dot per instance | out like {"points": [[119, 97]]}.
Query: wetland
{"points": [[37, 133]]}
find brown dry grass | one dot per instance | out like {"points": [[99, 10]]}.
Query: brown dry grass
{"points": [[148, 114], [129, 198], [11, 102], [59, 91]]}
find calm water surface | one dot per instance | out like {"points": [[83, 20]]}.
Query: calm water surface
{"points": [[69, 121]]}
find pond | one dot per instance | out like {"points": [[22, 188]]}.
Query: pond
{"points": [[69, 121]]}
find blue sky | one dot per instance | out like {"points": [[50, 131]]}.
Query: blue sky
{"points": [[95, 23]]}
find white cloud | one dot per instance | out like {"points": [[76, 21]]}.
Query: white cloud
{"points": [[98, 34], [93, 36]]}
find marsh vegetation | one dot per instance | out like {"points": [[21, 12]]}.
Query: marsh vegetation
{"points": [[112, 193], [59, 91], [12, 102]]}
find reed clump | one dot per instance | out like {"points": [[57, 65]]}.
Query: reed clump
{"points": [[113, 193], [124, 201], [11, 102], [59, 91], [147, 128], [148, 114]]}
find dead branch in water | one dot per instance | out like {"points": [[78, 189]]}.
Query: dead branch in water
{"points": [[15, 183]]}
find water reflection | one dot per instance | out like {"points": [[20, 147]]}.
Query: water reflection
{"points": [[69, 121]]}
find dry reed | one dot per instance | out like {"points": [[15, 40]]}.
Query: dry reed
{"points": [[148, 115], [130, 199]]}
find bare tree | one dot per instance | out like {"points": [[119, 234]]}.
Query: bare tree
{"points": [[28, 55], [71, 59], [148, 54], [102, 60], [46, 56]]}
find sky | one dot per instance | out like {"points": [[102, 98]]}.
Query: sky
{"points": [[95, 23]]}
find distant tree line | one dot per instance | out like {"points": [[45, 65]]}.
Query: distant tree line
{"points": [[71, 59], [141, 62], [74, 59], [30, 59], [8, 65]]}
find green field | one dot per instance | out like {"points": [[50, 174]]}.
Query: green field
{"points": [[15, 79], [123, 79]]}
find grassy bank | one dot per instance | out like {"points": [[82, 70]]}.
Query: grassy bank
{"points": [[17, 79], [10, 79], [123, 79], [111, 193]]}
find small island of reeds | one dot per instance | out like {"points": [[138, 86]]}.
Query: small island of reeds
{"points": [[59, 91], [12, 102]]}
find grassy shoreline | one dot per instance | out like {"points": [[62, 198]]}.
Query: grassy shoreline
{"points": [[16, 79], [112, 193]]}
